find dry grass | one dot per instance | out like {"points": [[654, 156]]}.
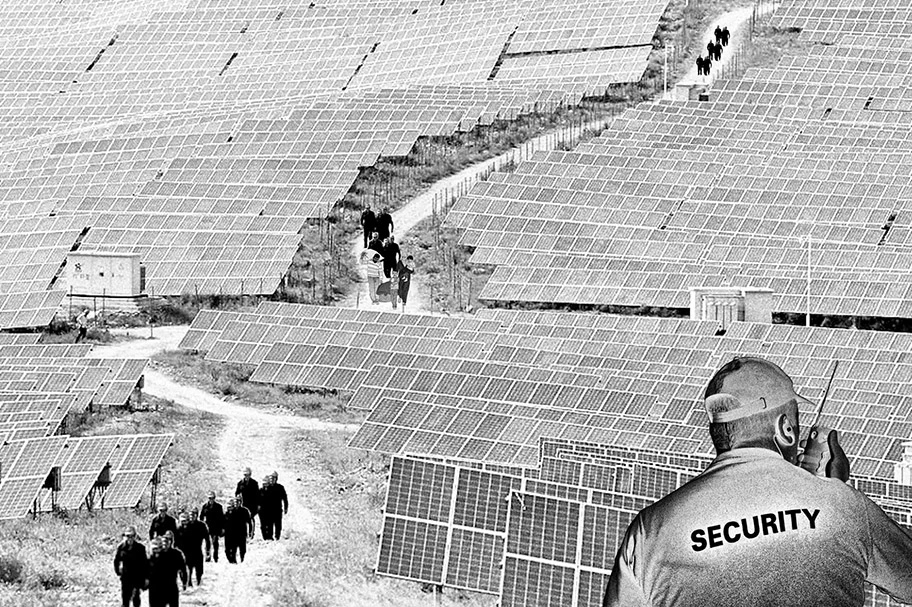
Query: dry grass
{"points": [[66, 559], [233, 381], [335, 566]]}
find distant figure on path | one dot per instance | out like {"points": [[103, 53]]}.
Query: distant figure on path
{"points": [[166, 566], [717, 49], [373, 267], [725, 36], [248, 490], [405, 271], [711, 49], [213, 515], [718, 34], [274, 503], [368, 223], [189, 539], [375, 244], [162, 522], [701, 66], [132, 567], [238, 525], [82, 325], [391, 255], [384, 224]]}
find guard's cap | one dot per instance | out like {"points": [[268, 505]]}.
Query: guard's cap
{"points": [[746, 386]]}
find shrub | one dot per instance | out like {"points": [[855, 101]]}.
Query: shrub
{"points": [[10, 569]]}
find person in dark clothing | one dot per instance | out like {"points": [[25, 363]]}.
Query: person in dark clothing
{"points": [[191, 533], [391, 255], [368, 223], [701, 67], [375, 244], [274, 504], [213, 516], [384, 224], [266, 511], [707, 65], [238, 525], [718, 34], [717, 49], [162, 522], [132, 567], [725, 36], [710, 49], [166, 565], [405, 271], [248, 490]]}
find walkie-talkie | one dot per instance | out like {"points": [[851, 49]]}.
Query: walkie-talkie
{"points": [[816, 454]]}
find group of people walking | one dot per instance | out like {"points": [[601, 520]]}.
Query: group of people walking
{"points": [[713, 51], [389, 276], [178, 545]]}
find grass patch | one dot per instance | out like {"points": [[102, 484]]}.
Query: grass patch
{"points": [[334, 566], [65, 558], [231, 380]]}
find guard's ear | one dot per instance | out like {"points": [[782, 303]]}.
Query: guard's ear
{"points": [[784, 433]]}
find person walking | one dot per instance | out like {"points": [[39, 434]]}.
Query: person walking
{"points": [[717, 51], [368, 223], [701, 67], [82, 325], [213, 515], [162, 522], [391, 255], [718, 34], [189, 538], [166, 567], [238, 526], [725, 36], [384, 224], [265, 512], [275, 505], [248, 490], [711, 49], [132, 567], [375, 244], [373, 268], [757, 528], [405, 271]]}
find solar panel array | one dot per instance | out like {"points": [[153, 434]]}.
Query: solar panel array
{"points": [[675, 195], [202, 136], [97, 471]]}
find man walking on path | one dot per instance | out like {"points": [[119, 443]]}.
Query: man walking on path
{"points": [[132, 567], [191, 533], [373, 268], [162, 522], [717, 49], [725, 36], [165, 567], [274, 505], [368, 223], [384, 224], [391, 256], [248, 490], [82, 325], [238, 525], [405, 271], [213, 516], [718, 34]]}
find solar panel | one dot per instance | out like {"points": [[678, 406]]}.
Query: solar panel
{"points": [[133, 467]]}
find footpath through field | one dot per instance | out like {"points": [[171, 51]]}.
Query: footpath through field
{"points": [[251, 437], [421, 207]]}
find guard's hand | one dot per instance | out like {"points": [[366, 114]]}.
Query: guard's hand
{"points": [[838, 466]]}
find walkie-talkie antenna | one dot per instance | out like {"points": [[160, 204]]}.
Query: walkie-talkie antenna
{"points": [[819, 409]]}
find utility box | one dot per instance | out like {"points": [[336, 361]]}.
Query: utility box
{"points": [[96, 274], [730, 304], [902, 471]]}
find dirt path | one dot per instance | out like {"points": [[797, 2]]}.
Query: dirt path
{"points": [[737, 22], [253, 438], [421, 207]]}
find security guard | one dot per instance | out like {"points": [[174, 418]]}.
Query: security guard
{"points": [[754, 529]]}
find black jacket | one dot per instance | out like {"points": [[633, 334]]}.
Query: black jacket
{"points": [[249, 492], [131, 563], [274, 500], [189, 540], [160, 524], [165, 567], [237, 522], [214, 517], [384, 225], [368, 220]]}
